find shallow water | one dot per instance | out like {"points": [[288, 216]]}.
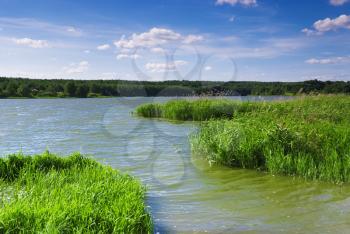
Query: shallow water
{"points": [[184, 194]]}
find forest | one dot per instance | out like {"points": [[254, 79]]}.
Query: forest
{"points": [[45, 88]]}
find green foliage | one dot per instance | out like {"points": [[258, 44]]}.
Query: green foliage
{"points": [[24, 90], [50, 194], [70, 88], [116, 88], [307, 137], [197, 110], [82, 91]]}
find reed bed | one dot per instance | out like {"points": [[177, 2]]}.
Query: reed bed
{"points": [[194, 110], [307, 137], [50, 194]]}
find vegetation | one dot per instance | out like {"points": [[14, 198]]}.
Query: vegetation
{"points": [[198, 110], [30, 88], [307, 136], [49, 194]]}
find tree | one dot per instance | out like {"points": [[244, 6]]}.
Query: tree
{"points": [[24, 90], [11, 89], [70, 88], [82, 91]]}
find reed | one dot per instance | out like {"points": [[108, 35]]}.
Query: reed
{"points": [[307, 137], [194, 110]]}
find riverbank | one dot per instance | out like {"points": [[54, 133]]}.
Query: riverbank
{"points": [[50, 194], [306, 137]]}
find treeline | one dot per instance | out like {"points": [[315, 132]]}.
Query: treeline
{"points": [[31, 88]]}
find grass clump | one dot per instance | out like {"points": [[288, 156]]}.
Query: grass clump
{"points": [[193, 110], [308, 137], [50, 194]]}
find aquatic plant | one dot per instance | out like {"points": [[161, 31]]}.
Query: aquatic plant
{"points": [[51, 194], [307, 137], [196, 110]]}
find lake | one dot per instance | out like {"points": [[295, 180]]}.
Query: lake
{"points": [[184, 193]]}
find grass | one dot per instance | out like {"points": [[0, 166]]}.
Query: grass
{"points": [[307, 137], [198, 110], [50, 194]]}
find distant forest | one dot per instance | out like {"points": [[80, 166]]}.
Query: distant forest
{"points": [[35, 88]]}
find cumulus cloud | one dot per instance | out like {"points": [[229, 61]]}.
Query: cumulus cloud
{"points": [[328, 24], [333, 60], [103, 47], [77, 68], [162, 67], [234, 2], [338, 2], [154, 38], [128, 56], [208, 68], [38, 44]]}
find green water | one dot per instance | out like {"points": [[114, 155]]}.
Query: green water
{"points": [[185, 195]]}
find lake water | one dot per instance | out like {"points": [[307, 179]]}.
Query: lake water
{"points": [[184, 194]]}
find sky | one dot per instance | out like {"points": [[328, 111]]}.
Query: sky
{"points": [[156, 40]]}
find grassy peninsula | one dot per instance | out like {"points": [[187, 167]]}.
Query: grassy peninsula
{"points": [[50, 194], [307, 137]]}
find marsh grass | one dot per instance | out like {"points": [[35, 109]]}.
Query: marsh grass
{"points": [[195, 110], [50, 194], [307, 137]]}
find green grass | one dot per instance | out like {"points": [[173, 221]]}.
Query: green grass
{"points": [[50, 194], [196, 110], [307, 137]]}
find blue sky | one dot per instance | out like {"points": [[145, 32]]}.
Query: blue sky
{"points": [[262, 40]]}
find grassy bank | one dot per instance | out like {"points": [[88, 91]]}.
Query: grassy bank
{"points": [[307, 137], [49, 194]]}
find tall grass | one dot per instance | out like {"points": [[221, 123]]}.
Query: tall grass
{"points": [[307, 137], [50, 194], [196, 110]]}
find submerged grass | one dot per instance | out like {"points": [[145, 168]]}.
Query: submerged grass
{"points": [[50, 194], [307, 137]]}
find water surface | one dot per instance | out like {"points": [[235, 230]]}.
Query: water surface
{"points": [[184, 194]]}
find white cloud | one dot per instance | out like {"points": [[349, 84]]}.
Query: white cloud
{"points": [[162, 67], [192, 38], [103, 47], [77, 68], [232, 18], [87, 51], [154, 38], [38, 44], [338, 2], [208, 68], [128, 56], [234, 2], [333, 60], [73, 31], [37, 25], [158, 50], [328, 24]]}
